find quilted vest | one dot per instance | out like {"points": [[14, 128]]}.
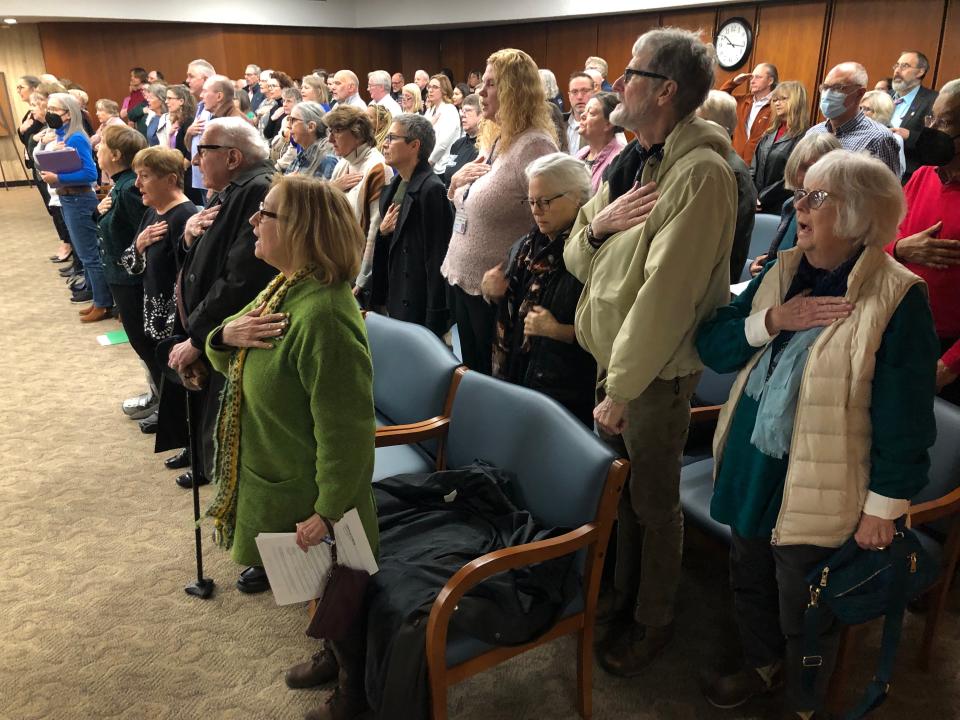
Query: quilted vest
{"points": [[828, 474]]}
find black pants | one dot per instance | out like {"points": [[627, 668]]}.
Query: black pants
{"points": [[129, 301], [474, 318], [770, 594]]}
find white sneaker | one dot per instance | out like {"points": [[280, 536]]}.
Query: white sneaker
{"points": [[137, 408]]}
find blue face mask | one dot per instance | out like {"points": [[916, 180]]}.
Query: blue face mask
{"points": [[832, 104]]}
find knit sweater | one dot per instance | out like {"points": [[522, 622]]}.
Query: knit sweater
{"points": [[494, 212]]}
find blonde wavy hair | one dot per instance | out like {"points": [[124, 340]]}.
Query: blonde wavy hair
{"points": [[382, 120], [796, 118], [520, 96], [319, 226]]}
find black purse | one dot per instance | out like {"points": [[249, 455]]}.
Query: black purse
{"points": [[342, 600], [856, 586]]}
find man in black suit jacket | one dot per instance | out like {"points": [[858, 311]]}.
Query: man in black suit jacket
{"points": [[908, 73], [415, 230], [219, 273], [252, 88]]}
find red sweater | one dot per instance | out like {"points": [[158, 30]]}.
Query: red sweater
{"points": [[928, 202]]}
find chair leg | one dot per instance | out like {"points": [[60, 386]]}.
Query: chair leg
{"points": [[848, 639], [438, 700], [585, 671], [938, 597]]}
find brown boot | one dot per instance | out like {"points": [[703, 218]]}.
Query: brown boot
{"points": [[339, 706], [629, 655], [96, 315], [87, 310], [320, 669]]}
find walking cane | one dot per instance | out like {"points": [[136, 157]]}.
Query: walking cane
{"points": [[202, 587]]}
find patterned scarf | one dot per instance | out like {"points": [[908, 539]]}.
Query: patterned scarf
{"points": [[538, 259], [227, 449]]}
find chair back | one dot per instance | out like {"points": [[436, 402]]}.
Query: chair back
{"points": [[944, 455], [561, 467], [714, 388], [764, 230], [412, 370]]}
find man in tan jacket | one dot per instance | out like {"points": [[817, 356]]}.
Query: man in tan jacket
{"points": [[653, 250]]}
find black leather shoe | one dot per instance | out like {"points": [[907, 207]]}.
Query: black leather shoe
{"points": [[186, 480], [253, 580], [148, 426], [180, 460]]}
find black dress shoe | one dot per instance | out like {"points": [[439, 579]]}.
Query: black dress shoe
{"points": [[148, 426], [66, 272], [186, 480], [180, 460], [253, 580]]}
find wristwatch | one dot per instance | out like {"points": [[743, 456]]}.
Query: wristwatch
{"points": [[593, 239]]}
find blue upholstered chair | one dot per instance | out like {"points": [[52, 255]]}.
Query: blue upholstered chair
{"points": [[566, 477], [413, 385], [764, 230]]}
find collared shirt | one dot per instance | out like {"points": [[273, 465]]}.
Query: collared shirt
{"points": [[573, 135], [389, 103], [901, 105], [356, 101], [862, 133], [195, 175], [755, 109]]}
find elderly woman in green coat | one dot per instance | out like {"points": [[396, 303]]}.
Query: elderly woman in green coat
{"points": [[295, 434]]}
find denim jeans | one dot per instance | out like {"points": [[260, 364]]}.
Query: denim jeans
{"points": [[78, 213]]}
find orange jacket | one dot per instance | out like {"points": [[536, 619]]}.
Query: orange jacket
{"points": [[745, 146]]}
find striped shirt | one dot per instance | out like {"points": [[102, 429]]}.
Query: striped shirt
{"points": [[862, 133]]}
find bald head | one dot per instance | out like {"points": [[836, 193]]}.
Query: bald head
{"points": [[847, 73], [344, 84]]}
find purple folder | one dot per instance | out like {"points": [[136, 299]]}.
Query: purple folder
{"points": [[58, 161]]}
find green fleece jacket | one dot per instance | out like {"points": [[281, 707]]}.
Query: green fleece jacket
{"points": [[306, 419], [648, 288]]}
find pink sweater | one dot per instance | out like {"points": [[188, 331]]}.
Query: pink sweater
{"points": [[496, 215]]}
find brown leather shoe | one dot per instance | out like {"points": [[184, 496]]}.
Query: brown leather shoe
{"points": [[339, 706], [87, 310], [629, 655], [732, 691], [96, 315], [319, 670]]}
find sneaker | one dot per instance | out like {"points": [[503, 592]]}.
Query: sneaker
{"points": [[140, 406], [731, 691], [81, 297]]}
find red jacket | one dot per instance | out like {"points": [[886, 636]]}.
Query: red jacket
{"points": [[928, 202], [745, 146]]}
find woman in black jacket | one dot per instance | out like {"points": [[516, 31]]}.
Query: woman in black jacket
{"points": [[535, 343], [788, 123]]}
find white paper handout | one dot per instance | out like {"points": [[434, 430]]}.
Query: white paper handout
{"points": [[298, 576]]}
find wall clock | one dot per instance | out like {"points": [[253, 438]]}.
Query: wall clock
{"points": [[734, 42]]}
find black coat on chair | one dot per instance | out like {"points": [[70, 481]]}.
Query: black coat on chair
{"points": [[406, 263]]}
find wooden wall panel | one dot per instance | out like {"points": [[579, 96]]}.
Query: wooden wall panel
{"points": [[789, 36], [703, 20], [949, 65], [569, 44], [463, 49], [20, 54], [616, 35], [874, 32], [748, 13]]}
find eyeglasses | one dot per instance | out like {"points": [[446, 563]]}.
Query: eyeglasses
{"points": [[202, 149], [838, 88], [261, 213], [21, 87], [778, 99], [541, 203], [903, 66], [433, 86], [392, 138], [631, 72], [275, 86], [815, 198], [939, 123]]}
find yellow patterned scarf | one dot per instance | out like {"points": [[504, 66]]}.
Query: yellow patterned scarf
{"points": [[227, 446]]}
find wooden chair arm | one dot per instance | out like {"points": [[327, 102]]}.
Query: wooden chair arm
{"points": [[931, 510], [704, 414], [413, 433], [478, 570]]}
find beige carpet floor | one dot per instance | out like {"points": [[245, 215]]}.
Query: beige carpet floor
{"points": [[96, 547]]}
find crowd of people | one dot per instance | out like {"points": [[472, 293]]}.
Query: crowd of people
{"points": [[239, 227]]}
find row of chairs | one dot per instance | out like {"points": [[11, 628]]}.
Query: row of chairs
{"points": [[434, 414]]}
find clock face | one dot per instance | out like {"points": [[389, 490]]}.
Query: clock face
{"points": [[733, 43]]}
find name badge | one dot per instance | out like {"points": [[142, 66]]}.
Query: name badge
{"points": [[460, 222]]}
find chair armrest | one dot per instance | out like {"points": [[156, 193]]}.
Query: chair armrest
{"points": [[707, 413], [478, 570], [935, 509], [413, 433]]}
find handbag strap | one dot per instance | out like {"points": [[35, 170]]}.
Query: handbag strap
{"points": [[879, 686], [333, 540]]}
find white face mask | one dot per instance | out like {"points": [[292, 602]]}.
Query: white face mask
{"points": [[832, 104]]}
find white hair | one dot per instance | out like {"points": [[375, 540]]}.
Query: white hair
{"points": [[856, 71], [549, 80], [721, 108], [66, 101], [379, 77], [240, 134], [266, 75], [252, 68], [597, 63], [421, 73], [595, 74], [882, 105], [564, 173], [950, 88], [205, 68], [347, 76], [868, 195]]}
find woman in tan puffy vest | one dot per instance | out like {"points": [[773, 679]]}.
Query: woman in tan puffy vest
{"points": [[826, 430]]}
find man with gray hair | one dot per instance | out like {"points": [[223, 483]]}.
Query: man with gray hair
{"points": [[219, 271], [217, 97], [197, 73], [397, 81], [840, 95], [600, 65], [251, 76], [415, 229], [378, 85], [653, 251], [344, 87], [421, 78]]}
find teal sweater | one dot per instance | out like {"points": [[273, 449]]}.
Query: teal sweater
{"points": [[307, 423], [749, 487]]}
